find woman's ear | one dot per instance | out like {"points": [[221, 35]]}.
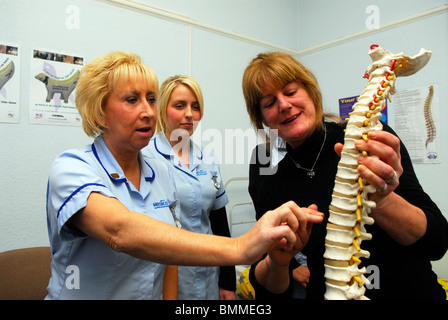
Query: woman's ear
{"points": [[102, 122]]}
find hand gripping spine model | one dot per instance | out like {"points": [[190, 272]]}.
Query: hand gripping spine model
{"points": [[350, 205]]}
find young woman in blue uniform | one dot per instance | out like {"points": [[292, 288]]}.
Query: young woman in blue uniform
{"points": [[198, 182], [112, 212]]}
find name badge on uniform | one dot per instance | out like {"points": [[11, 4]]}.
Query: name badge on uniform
{"points": [[216, 183], [172, 206]]}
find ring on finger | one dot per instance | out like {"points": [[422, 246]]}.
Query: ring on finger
{"points": [[391, 180], [383, 188]]}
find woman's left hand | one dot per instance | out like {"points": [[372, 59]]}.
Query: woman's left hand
{"points": [[384, 170]]}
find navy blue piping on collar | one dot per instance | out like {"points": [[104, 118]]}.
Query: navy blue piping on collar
{"points": [[157, 149], [200, 158], [167, 155], [153, 173], [122, 179]]}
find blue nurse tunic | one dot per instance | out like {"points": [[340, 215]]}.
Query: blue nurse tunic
{"points": [[200, 190], [84, 267]]}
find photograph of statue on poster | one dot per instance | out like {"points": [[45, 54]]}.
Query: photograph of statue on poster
{"points": [[53, 78]]}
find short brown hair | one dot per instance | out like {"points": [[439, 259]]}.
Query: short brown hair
{"points": [[275, 70]]}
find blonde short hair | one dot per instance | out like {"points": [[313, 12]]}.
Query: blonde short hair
{"points": [[166, 89], [101, 77], [273, 70]]}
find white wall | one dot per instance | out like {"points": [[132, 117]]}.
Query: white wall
{"points": [[340, 68], [218, 62]]}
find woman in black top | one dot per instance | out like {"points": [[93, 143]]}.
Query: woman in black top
{"points": [[409, 229]]}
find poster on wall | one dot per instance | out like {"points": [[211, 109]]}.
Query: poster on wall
{"points": [[346, 105], [53, 78], [416, 115], [9, 83]]}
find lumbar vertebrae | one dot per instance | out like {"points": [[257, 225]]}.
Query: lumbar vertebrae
{"points": [[350, 205]]}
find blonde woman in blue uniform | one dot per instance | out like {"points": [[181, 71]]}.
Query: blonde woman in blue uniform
{"points": [[198, 182]]}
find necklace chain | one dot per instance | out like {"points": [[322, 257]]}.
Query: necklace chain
{"points": [[310, 172]]}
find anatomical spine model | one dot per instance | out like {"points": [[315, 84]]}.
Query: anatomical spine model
{"points": [[350, 205]]}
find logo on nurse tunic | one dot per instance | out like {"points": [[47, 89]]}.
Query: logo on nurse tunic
{"points": [[161, 204], [201, 172]]}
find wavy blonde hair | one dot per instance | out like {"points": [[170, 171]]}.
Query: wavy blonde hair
{"points": [[101, 77]]}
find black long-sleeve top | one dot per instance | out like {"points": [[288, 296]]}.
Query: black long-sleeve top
{"points": [[404, 271]]}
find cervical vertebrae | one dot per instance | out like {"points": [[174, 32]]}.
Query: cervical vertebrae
{"points": [[350, 205]]}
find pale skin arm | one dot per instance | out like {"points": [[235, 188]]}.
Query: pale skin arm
{"points": [[273, 271], [404, 222], [143, 237]]}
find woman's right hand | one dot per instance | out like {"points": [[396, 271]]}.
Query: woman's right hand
{"points": [[282, 232], [280, 255]]}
